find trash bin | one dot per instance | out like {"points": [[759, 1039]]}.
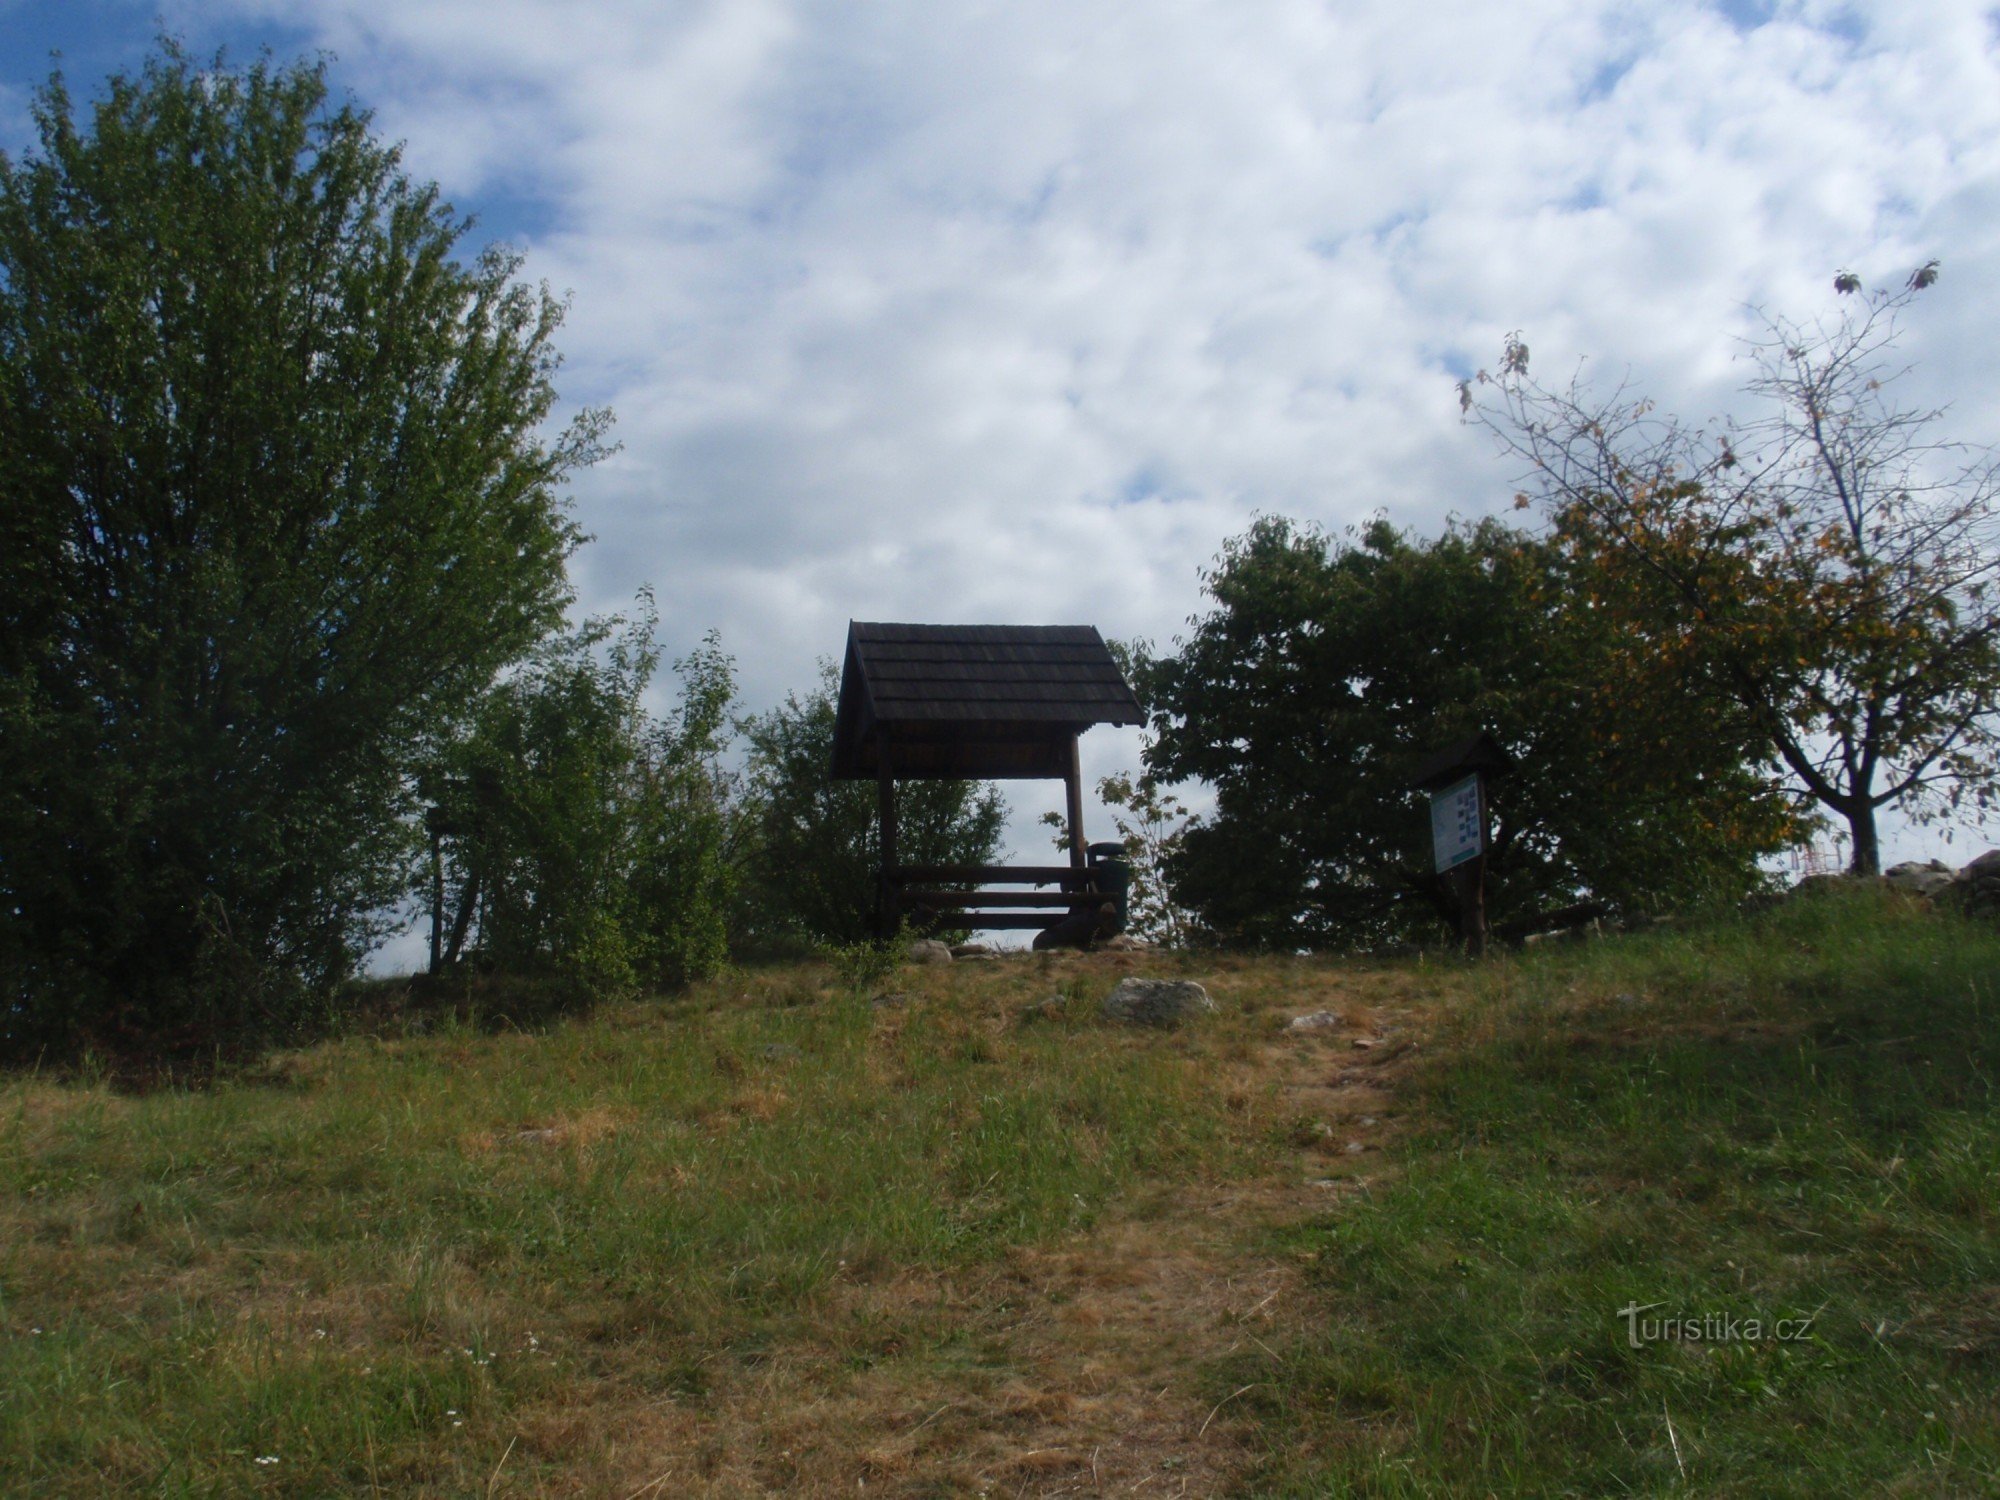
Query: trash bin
{"points": [[1111, 873]]}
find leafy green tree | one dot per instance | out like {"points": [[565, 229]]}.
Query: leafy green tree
{"points": [[279, 498], [686, 868], [1830, 565], [583, 841], [1329, 669], [814, 845]]}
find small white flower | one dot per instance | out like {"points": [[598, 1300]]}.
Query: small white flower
{"points": [[267, 1458]]}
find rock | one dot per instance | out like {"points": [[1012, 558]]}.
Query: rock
{"points": [[1319, 1020], [971, 950], [1124, 942], [1079, 929], [1366, 1042], [890, 1000], [1988, 864], [1048, 1008], [1924, 879], [927, 951], [1156, 1002]]}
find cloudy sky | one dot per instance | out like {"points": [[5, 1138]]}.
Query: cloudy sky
{"points": [[956, 310]]}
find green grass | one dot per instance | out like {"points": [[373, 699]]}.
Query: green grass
{"points": [[369, 1263], [1787, 1117], [792, 1242]]}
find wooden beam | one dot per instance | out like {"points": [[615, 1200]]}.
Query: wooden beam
{"points": [[1001, 898], [993, 874], [1017, 921]]}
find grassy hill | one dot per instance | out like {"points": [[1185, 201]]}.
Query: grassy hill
{"points": [[948, 1233]]}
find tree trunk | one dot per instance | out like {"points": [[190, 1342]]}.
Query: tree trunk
{"points": [[1867, 849]]}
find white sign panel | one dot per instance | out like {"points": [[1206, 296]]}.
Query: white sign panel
{"points": [[1457, 829]]}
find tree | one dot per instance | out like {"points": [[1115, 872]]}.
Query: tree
{"points": [[1830, 565], [815, 848], [278, 500], [582, 840], [1329, 669]]}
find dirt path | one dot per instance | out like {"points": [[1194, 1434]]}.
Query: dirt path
{"points": [[1084, 1367]]}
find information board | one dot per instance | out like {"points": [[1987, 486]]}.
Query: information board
{"points": [[1458, 832]]}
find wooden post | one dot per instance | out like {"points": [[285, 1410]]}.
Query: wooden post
{"points": [[1472, 891], [888, 916], [437, 893], [1461, 836], [1073, 785], [1470, 880]]}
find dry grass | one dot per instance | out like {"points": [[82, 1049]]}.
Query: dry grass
{"points": [[769, 1238], [774, 1238]]}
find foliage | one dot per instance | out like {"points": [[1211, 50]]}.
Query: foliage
{"points": [[277, 495], [1831, 565], [1150, 821], [814, 846], [864, 964], [1328, 670], [583, 839]]}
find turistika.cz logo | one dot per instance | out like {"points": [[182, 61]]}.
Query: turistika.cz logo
{"points": [[1709, 1328]]}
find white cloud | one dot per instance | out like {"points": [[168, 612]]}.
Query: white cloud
{"points": [[1015, 312]]}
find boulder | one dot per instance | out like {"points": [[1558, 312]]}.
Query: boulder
{"points": [[971, 950], [1986, 867], [1124, 942], [1924, 879], [1976, 886], [1156, 1002], [1079, 929], [928, 951], [1319, 1020]]}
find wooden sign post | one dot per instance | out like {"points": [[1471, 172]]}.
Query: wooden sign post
{"points": [[1458, 841], [1456, 780]]}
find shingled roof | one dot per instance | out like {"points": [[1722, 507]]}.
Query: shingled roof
{"points": [[973, 700]]}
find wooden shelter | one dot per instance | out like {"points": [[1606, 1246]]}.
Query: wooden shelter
{"points": [[977, 702]]}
